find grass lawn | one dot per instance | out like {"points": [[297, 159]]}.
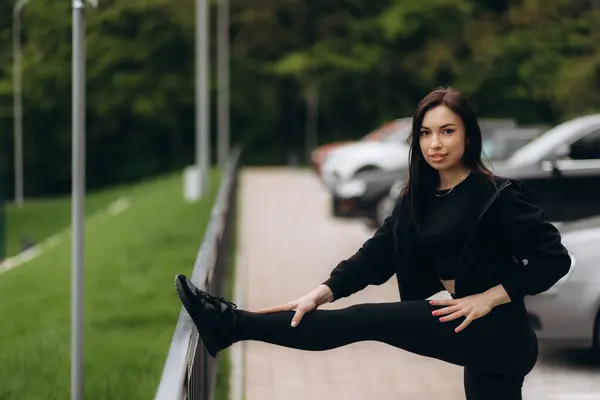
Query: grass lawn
{"points": [[41, 218], [131, 307]]}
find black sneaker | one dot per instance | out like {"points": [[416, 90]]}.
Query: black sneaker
{"points": [[213, 316]]}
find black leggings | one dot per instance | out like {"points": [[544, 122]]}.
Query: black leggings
{"points": [[497, 350]]}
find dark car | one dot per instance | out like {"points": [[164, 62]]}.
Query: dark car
{"points": [[561, 168], [360, 196]]}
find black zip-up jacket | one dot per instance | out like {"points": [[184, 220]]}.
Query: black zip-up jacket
{"points": [[511, 244]]}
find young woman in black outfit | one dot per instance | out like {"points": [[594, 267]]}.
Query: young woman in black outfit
{"points": [[456, 227]]}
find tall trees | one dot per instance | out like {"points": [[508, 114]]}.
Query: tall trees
{"points": [[370, 61]]}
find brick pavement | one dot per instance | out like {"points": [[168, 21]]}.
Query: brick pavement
{"points": [[281, 268]]}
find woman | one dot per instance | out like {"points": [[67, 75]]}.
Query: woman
{"points": [[455, 227]]}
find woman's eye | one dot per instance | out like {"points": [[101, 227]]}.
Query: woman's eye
{"points": [[423, 133], [448, 131]]}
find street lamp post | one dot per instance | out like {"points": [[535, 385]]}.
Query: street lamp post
{"points": [[223, 71], [18, 101], [78, 193], [77, 197], [202, 95]]}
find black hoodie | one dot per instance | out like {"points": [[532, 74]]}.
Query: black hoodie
{"points": [[511, 244]]}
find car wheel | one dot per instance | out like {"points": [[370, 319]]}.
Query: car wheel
{"points": [[335, 208]]}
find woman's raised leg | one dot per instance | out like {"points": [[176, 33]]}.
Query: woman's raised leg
{"points": [[405, 325], [494, 343]]}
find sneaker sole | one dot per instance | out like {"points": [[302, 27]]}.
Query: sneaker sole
{"points": [[209, 341]]}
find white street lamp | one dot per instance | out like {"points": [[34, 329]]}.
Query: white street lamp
{"points": [[18, 101], [223, 73]]}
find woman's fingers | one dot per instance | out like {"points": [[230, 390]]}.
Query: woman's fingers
{"points": [[298, 316], [446, 310], [284, 307], [301, 306], [464, 324], [453, 316], [443, 302]]}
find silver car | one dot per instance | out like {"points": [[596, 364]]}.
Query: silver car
{"points": [[568, 314]]}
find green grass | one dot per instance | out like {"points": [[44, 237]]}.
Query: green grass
{"points": [[130, 303], [41, 218]]}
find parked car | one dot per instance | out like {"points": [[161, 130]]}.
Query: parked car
{"points": [[391, 152], [361, 197], [561, 167], [320, 154], [386, 155], [569, 312], [372, 195]]}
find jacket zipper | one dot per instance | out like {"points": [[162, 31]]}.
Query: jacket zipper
{"points": [[487, 205]]}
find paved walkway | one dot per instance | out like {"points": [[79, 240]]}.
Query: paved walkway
{"points": [[281, 268], [278, 268]]}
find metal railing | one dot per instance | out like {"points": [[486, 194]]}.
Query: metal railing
{"points": [[189, 372]]}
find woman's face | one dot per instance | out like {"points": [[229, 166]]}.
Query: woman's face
{"points": [[442, 139]]}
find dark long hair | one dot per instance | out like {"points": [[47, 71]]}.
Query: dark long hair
{"points": [[423, 178]]}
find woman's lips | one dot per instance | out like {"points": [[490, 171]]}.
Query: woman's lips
{"points": [[437, 157]]}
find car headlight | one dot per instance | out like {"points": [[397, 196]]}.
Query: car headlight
{"points": [[352, 188]]}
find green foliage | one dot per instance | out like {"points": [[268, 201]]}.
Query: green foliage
{"points": [[371, 61]]}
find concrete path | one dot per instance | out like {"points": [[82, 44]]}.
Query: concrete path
{"points": [[277, 268], [281, 268]]}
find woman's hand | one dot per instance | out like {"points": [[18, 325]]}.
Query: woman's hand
{"points": [[470, 307], [304, 304]]}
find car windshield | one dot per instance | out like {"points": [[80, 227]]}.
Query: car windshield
{"points": [[503, 148], [399, 135], [377, 134]]}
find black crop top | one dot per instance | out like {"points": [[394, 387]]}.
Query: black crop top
{"points": [[444, 227]]}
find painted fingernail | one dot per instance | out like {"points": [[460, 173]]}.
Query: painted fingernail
{"points": [[442, 319], [293, 324]]}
